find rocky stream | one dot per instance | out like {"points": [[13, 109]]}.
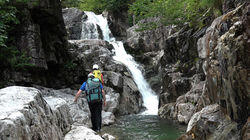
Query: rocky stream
{"points": [[162, 84]]}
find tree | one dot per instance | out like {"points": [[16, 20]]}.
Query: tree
{"points": [[176, 11], [10, 56], [70, 3]]}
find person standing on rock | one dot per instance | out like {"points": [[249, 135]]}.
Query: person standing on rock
{"points": [[97, 73], [95, 97]]}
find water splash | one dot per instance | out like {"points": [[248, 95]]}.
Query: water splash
{"points": [[150, 99]]}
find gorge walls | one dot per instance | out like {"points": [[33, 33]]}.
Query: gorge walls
{"points": [[203, 73]]}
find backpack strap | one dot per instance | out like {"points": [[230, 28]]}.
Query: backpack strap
{"points": [[88, 93], [99, 93]]}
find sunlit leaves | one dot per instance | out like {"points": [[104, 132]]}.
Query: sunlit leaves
{"points": [[7, 15], [176, 11], [9, 54]]}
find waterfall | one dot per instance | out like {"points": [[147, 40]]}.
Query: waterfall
{"points": [[90, 27], [150, 99]]}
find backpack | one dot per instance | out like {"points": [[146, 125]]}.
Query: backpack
{"points": [[98, 74], [93, 90]]}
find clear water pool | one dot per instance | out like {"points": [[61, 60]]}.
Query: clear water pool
{"points": [[144, 127]]}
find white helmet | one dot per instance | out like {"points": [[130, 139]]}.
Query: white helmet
{"points": [[91, 75], [95, 66]]}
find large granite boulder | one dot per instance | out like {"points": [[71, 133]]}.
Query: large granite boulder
{"points": [[62, 110], [79, 112], [26, 115], [130, 98], [211, 124], [112, 100], [81, 132], [185, 106]]}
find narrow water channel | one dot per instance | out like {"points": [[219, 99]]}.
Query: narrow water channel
{"points": [[144, 127]]}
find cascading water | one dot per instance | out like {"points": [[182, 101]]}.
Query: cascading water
{"points": [[150, 99], [90, 30]]}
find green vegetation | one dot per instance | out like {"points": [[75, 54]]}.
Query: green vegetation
{"points": [[178, 12], [70, 65], [70, 3], [7, 16], [98, 6], [10, 56]]}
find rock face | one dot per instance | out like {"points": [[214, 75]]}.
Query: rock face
{"points": [[41, 36], [182, 76], [73, 21], [147, 49], [118, 23], [201, 68], [45, 35], [226, 64], [222, 56], [26, 115], [148, 40]]}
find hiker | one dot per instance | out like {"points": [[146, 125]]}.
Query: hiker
{"points": [[97, 73], [95, 97]]}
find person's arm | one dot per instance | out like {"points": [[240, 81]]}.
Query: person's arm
{"points": [[102, 79], [104, 97], [82, 88], [77, 95]]}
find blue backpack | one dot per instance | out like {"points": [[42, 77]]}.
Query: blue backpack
{"points": [[93, 90]]}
